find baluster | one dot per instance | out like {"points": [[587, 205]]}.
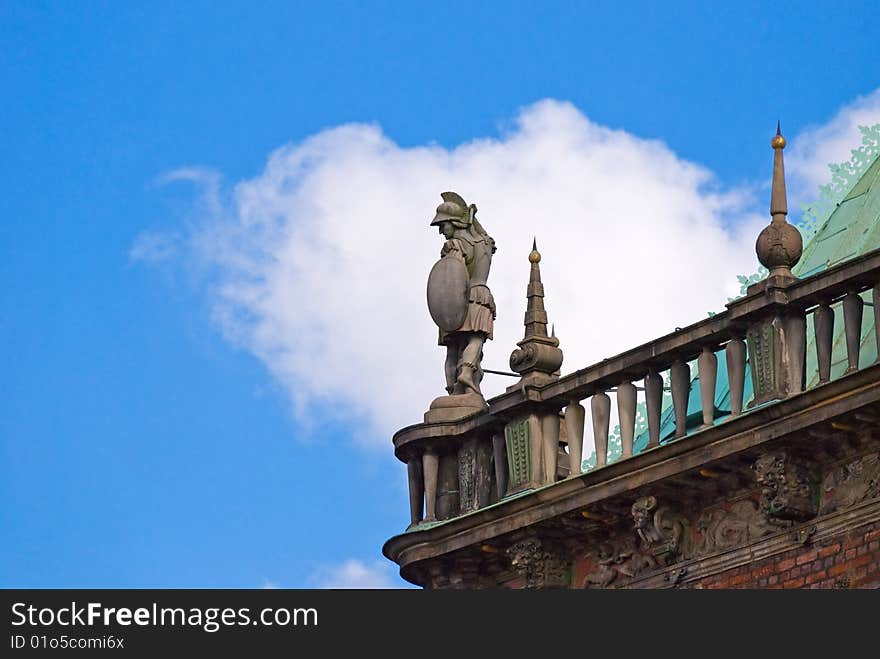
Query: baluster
{"points": [[550, 437], [680, 376], [600, 407], [853, 305], [430, 465], [736, 373], [823, 320], [626, 414], [875, 298], [499, 448], [653, 402], [416, 489], [707, 365], [574, 429], [796, 345]]}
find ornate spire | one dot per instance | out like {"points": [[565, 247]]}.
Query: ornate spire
{"points": [[779, 245], [538, 357], [536, 316]]}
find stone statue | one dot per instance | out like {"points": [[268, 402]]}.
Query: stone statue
{"points": [[459, 300]]}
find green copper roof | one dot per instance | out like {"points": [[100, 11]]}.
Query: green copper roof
{"points": [[851, 230]]}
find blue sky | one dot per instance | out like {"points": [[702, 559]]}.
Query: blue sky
{"points": [[176, 409]]}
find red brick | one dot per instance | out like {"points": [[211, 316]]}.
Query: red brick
{"points": [[818, 576], [738, 579], [837, 569], [773, 579], [785, 565], [817, 565], [806, 558], [850, 554], [765, 571], [873, 535], [874, 546], [794, 583], [862, 560], [861, 551], [829, 551], [853, 544]]}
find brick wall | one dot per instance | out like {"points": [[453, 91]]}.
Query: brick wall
{"points": [[848, 560]]}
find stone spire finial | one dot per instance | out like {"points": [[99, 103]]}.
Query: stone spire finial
{"points": [[779, 245], [538, 357], [536, 316]]}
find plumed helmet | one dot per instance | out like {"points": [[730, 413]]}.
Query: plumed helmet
{"points": [[454, 209]]}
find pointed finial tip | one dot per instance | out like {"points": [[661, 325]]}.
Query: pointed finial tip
{"points": [[778, 141], [535, 256]]}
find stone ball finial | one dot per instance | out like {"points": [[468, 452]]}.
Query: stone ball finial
{"points": [[779, 245]]}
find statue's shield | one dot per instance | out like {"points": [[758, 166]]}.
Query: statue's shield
{"points": [[448, 293]]}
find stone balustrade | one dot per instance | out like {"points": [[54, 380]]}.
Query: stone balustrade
{"points": [[532, 436]]}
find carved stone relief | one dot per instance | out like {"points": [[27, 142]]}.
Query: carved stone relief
{"points": [[789, 487], [467, 463], [662, 533], [660, 538], [539, 563], [724, 528], [851, 483]]}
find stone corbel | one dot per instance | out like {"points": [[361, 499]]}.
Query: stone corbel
{"points": [[789, 487]]}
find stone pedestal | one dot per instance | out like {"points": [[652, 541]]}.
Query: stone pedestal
{"points": [[454, 407]]}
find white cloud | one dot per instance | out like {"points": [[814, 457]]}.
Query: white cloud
{"points": [[816, 147], [268, 584], [355, 574], [322, 258], [153, 247]]}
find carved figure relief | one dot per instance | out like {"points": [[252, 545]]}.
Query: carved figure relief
{"points": [[851, 483], [663, 534], [611, 561]]}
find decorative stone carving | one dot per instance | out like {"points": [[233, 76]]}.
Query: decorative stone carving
{"points": [[539, 563], [851, 483], [662, 533], [724, 528], [518, 435], [611, 561], [762, 354], [476, 475], [467, 466], [789, 487]]}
